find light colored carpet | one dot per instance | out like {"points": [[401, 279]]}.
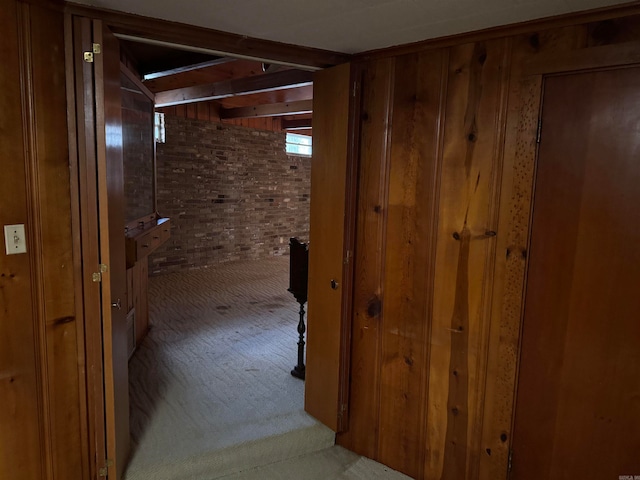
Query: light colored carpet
{"points": [[211, 394], [333, 463], [214, 370]]}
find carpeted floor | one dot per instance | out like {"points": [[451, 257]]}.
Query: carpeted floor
{"points": [[214, 369], [211, 394]]}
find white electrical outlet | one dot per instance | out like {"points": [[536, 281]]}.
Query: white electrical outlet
{"points": [[14, 239]]}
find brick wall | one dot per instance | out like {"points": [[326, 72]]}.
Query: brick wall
{"points": [[232, 193]]}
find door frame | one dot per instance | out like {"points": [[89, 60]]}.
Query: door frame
{"points": [[85, 178], [84, 194]]}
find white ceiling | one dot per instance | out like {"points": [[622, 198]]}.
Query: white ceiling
{"points": [[348, 26]]}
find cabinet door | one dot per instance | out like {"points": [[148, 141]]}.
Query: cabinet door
{"points": [[330, 240]]}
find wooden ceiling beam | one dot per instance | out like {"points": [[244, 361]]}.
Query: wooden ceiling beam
{"points": [[296, 124], [187, 68], [269, 110], [267, 82], [214, 42]]}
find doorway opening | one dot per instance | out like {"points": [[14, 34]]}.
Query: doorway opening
{"points": [[215, 328]]}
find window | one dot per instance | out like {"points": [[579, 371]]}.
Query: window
{"points": [[158, 127], [298, 144]]}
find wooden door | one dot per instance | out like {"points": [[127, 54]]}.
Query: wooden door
{"points": [[578, 400], [112, 248], [330, 241], [99, 148]]}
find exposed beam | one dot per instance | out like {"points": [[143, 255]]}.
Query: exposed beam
{"points": [[132, 76], [270, 110], [240, 86], [296, 124], [214, 42], [188, 68]]}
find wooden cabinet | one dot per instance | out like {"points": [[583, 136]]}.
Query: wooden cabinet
{"points": [[140, 242], [146, 238]]}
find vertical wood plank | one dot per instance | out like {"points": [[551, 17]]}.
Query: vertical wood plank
{"points": [[362, 435], [141, 282], [410, 250], [54, 244], [168, 111], [130, 289], [20, 435], [465, 249], [85, 167], [88, 447], [512, 242], [214, 108], [202, 111], [191, 111]]}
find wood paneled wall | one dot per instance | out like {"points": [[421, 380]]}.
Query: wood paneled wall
{"points": [[197, 111], [211, 111], [448, 148], [42, 391]]}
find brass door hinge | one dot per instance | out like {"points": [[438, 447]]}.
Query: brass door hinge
{"points": [[97, 276], [104, 471], [95, 50]]}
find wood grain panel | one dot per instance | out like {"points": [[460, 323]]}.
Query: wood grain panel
{"points": [[613, 31], [409, 260], [364, 396], [141, 283], [558, 22], [577, 410], [466, 231], [327, 247], [490, 118], [21, 435], [203, 111], [82, 100], [585, 58], [74, 197], [210, 111], [512, 243], [49, 161], [272, 124], [390, 158]]}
